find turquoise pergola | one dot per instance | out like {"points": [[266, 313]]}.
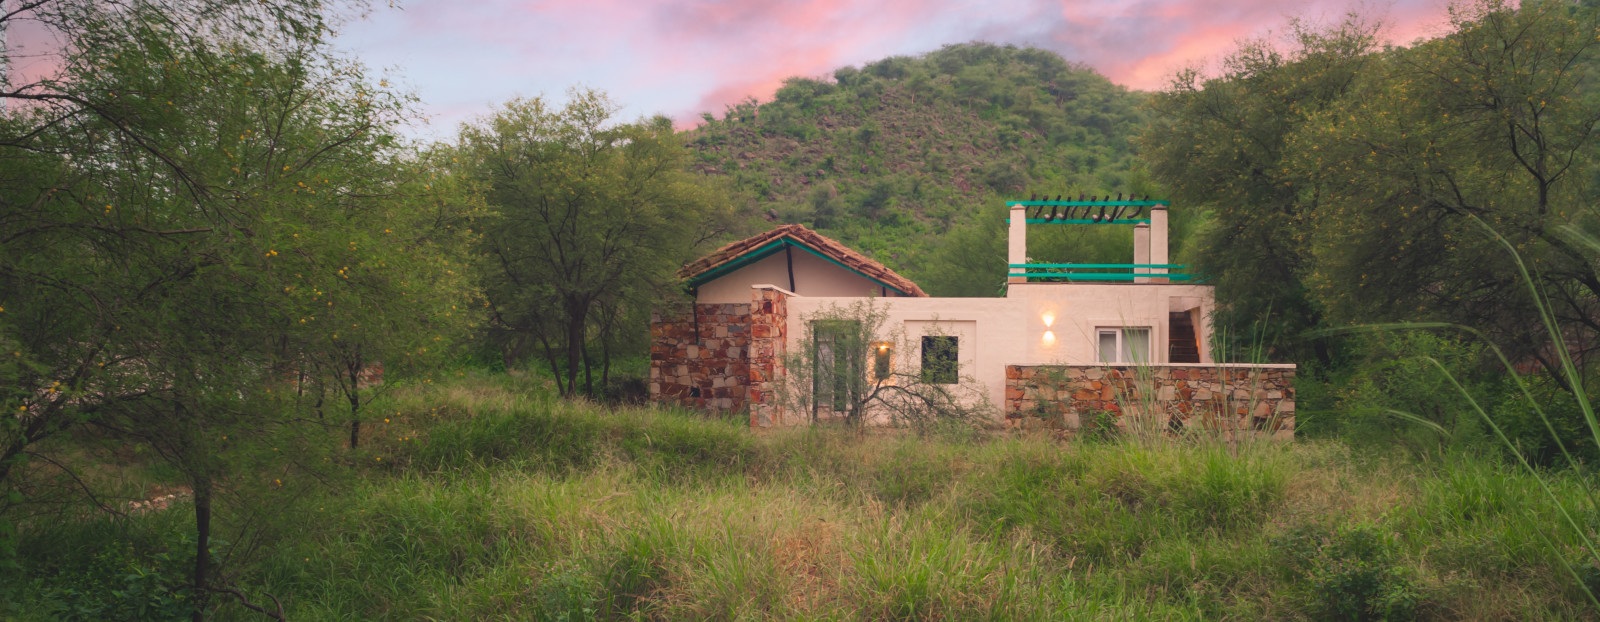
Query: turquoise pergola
{"points": [[1149, 219]]}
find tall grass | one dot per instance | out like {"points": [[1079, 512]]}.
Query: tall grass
{"points": [[495, 501], [1546, 519]]}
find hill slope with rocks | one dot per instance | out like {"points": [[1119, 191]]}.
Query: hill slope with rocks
{"points": [[910, 159]]}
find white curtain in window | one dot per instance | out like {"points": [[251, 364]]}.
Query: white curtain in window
{"points": [[1135, 345], [1108, 346]]}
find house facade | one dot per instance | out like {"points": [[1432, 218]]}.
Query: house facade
{"points": [[1066, 342]]}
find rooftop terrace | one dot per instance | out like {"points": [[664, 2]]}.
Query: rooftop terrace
{"points": [[1148, 219]]}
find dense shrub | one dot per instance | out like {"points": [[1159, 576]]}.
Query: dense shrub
{"points": [[111, 572], [1351, 573]]}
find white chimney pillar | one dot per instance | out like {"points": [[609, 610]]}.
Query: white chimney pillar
{"points": [[1017, 250], [1158, 241]]}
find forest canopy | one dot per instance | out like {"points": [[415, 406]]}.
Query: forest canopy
{"points": [[1448, 184]]}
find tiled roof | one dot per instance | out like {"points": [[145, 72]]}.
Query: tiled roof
{"points": [[807, 238]]}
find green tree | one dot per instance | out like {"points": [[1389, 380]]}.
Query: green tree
{"points": [[186, 221], [1222, 144], [825, 206], [1496, 121], [971, 262], [404, 297], [1375, 185], [592, 219]]}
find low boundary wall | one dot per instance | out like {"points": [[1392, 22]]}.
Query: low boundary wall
{"points": [[1224, 397]]}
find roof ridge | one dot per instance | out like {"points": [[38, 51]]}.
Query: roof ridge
{"points": [[846, 256]]}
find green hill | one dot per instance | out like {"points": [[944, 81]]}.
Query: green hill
{"points": [[910, 159]]}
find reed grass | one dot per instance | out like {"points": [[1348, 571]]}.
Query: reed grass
{"points": [[495, 501]]}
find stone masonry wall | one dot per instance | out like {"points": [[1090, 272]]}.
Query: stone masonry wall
{"points": [[701, 361], [769, 330], [1223, 398]]}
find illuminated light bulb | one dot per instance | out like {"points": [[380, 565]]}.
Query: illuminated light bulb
{"points": [[1049, 318], [1049, 338]]}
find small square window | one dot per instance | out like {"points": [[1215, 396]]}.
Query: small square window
{"points": [[1123, 345], [940, 360]]}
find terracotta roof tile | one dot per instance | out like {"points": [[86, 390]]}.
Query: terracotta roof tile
{"points": [[816, 241]]}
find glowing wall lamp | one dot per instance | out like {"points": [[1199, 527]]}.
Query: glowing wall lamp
{"points": [[881, 361], [1049, 337]]}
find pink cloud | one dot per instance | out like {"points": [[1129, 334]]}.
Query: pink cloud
{"points": [[684, 57], [690, 56], [758, 45], [1173, 35]]}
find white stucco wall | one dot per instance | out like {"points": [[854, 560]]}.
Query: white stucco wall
{"points": [[813, 276], [1080, 309], [996, 332]]}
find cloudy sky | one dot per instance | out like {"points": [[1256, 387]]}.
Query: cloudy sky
{"points": [[684, 57]]}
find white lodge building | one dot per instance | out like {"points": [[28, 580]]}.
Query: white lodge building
{"points": [[1090, 326]]}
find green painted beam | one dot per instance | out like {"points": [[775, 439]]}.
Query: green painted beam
{"points": [[1100, 276], [1098, 265], [1091, 203], [1084, 221]]}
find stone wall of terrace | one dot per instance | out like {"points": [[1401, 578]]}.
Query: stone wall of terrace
{"points": [[1173, 398]]}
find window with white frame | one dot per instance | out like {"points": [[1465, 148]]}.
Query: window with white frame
{"points": [[1123, 344]]}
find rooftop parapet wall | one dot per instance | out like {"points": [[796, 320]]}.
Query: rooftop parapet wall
{"points": [[1217, 398]]}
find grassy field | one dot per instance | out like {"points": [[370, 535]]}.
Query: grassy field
{"points": [[483, 499]]}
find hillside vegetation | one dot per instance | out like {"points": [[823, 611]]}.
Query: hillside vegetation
{"points": [[910, 159], [212, 249], [485, 499]]}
